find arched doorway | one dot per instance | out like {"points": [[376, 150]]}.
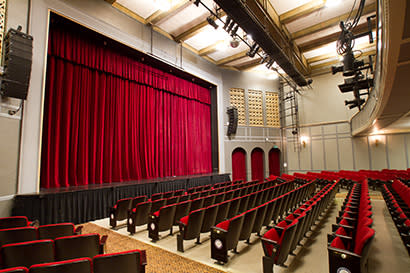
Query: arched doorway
{"points": [[274, 162], [239, 164], [257, 162]]}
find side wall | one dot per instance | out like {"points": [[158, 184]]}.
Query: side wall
{"points": [[324, 122]]}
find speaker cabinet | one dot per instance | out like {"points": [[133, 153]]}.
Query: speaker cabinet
{"points": [[18, 48], [233, 120]]}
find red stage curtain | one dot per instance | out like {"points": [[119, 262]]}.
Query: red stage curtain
{"points": [[109, 118], [274, 162], [257, 164], [239, 164]]}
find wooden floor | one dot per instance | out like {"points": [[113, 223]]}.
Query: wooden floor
{"points": [[387, 252]]}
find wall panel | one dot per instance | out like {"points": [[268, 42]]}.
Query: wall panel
{"points": [[396, 153]]}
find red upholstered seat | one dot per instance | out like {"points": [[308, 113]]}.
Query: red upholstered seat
{"points": [[362, 236], [184, 220], [273, 235], [341, 231], [224, 225], [338, 243]]}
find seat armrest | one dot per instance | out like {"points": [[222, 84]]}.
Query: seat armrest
{"points": [[103, 240]]}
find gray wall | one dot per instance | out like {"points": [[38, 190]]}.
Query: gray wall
{"points": [[248, 137], [16, 14]]}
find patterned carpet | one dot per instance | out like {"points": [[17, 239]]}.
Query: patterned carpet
{"points": [[158, 260]]}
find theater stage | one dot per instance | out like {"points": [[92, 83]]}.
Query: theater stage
{"points": [[87, 203]]}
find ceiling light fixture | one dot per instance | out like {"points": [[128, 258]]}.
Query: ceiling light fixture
{"points": [[234, 42], [212, 22], [254, 49]]}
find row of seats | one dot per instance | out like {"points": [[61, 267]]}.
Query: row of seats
{"points": [[397, 197], [124, 262], [16, 221], [151, 211], [206, 210], [29, 233], [44, 251], [348, 245], [225, 235], [281, 240]]}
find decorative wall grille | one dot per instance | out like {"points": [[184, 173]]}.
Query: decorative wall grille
{"points": [[255, 108], [272, 109], [237, 99]]}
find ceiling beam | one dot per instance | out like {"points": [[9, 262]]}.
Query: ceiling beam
{"points": [[331, 22], [232, 58], [333, 55], [317, 43], [210, 49], [333, 62], [302, 11], [249, 64], [128, 12], [194, 30], [161, 15]]}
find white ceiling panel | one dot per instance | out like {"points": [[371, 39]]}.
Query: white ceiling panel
{"points": [[227, 51], [240, 61], [207, 37], [141, 7], [323, 15], [283, 6]]}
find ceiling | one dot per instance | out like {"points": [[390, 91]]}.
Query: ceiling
{"points": [[309, 26]]}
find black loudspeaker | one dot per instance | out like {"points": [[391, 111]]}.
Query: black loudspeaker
{"points": [[18, 48], [233, 120]]}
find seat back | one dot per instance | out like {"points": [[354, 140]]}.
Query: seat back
{"points": [[197, 204], [77, 246], [137, 200], [14, 221], [81, 265], [55, 231], [243, 205], [179, 192], [194, 195], [209, 218], [17, 235], [260, 216], [167, 194], [182, 209], [194, 224], [172, 200], [156, 196], [166, 217], [15, 270], [141, 213], [208, 201], [124, 262], [27, 253], [234, 231], [222, 212], [157, 204], [121, 208], [249, 220], [220, 197], [234, 207]]}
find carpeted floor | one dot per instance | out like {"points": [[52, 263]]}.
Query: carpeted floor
{"points": [[158, 260]]}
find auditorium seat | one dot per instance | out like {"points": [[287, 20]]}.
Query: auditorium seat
{"points": [[249, 220], [17, 235], [79, 246], [276, 244], [222, 213], [224, 237], [157, 204], [138, 216], [208, 201], [156, 196], [243, 205], [219, 197], [133, 261], [161, 220], [80, 265], [27, 253], [209, 219], [57, 230], [137, 200], [13, 221], [182, 210], [172, 200], [179, 192], [260, 216], [197, 204], [19, 269], [234, 207], [168, 194], [119, 211], [190, 227]]}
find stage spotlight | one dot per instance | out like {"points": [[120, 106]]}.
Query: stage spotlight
{"points": [[227, 22], [270, 63], [264, 58], [196, 3], [254, 49], [212, 22], [235, 29], [234, 42]]}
